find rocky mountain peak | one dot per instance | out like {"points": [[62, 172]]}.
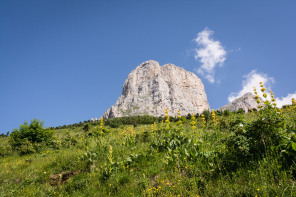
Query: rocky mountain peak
{"points": [[151, 88], [246, 102]]}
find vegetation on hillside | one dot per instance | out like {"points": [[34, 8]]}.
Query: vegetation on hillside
{"points": [[214, 154]]}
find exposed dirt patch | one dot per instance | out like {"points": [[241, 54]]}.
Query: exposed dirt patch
{"points": [[61, 178]]}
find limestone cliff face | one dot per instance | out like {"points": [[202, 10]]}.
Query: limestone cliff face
{"points": [[151, 88], [246, 102]]}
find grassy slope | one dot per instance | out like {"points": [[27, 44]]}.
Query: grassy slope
{"points": [[134, 168]]}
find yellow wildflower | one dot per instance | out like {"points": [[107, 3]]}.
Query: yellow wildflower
{"points": [[214, 117], [193, 122], [203, 120]]}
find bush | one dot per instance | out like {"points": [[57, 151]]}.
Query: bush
{"points": [[67, 141], [258, 138], [29, 136], [240, 111], [86, 127], [226, 112], [5, 149], [27, 147]]}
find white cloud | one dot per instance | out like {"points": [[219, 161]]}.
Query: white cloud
{"points": [[252, 80], [285, 100], [210, 53]]}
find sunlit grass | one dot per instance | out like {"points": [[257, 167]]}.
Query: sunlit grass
{"points": [[182, 158]]}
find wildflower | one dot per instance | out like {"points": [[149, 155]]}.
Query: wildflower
{"points": [[193, 122], [179, 114], [294, 102], [167, 120], [101, 125], [101, 122], [203, 120], [153, 127], [256, 96], [166, 114], [179, 117], [214, 117], [266, 102], [110, 158]]}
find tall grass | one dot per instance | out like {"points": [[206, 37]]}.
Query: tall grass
{"points": [[161, 159]]}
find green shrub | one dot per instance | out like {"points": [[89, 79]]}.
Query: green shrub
{"points": [[68, 140], [5, 149], [30, 136], [226, 112], [86, 127], [26, 147], [258, 138], [240, 111]]}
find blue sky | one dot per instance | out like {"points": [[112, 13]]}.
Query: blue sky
{"points": [[66, 61]]}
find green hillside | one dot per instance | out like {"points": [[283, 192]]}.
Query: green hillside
{"points": [[216, 154]]}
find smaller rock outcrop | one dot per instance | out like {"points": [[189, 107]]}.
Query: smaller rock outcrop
{"points": [[246, 102]]}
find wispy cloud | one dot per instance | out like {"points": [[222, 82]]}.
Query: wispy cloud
{"points": [[210, 53], [252, 80]]}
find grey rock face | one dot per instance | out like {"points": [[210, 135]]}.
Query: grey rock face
{"points": [[246, 102], [151, 88]]}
